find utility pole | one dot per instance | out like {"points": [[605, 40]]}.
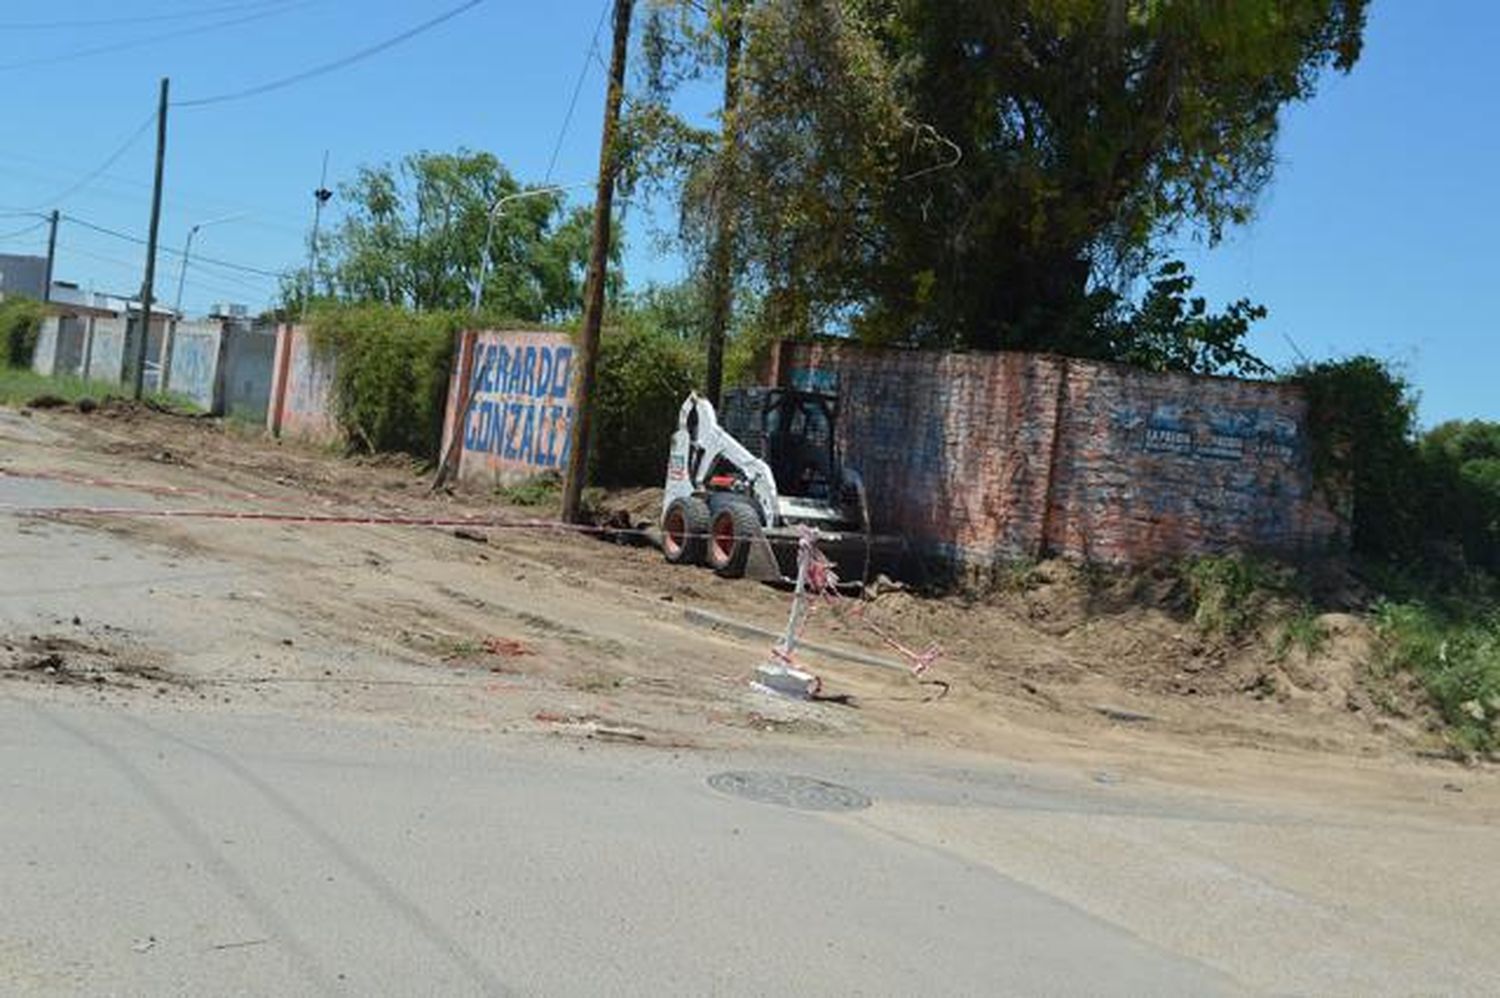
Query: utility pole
{"points": [[51, 257], [721, 259], [593, 304], [146, 288]]}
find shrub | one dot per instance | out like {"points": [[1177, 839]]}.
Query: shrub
{"points": [[392, 373], [20, 324], [644, 374], [1361, 423]]}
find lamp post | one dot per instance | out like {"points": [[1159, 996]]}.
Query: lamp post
{"points": [[489, 232], [187, 249], [164, 362]]}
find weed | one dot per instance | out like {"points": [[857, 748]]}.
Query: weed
{"points": [[595, 682], [1457, 659], [1014, 575], [1229, 593], [1302, 630], [538, 490]]}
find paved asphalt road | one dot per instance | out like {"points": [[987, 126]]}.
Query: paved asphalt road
{"points": [[174, 853]]}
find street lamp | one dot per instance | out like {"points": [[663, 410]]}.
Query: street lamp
{"points": [[187, 249], [489, 232], [164, 362]]}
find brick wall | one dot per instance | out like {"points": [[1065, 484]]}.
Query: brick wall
{"points": [[978, 456]]}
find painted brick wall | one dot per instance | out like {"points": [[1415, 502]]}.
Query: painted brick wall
{"points": [[979, 456]]}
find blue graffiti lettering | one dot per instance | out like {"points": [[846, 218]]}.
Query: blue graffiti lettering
{"points": [[563, 373]]}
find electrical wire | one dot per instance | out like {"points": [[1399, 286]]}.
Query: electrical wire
{"points": [[21, 232], [329, 67], [196, 201], [111, 22], [166, 249], [133, 266], [281, 8], [593, 50], [109, 161]]}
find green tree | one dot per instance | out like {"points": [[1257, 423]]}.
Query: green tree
{"points": [[413, 235], [947, 172], [1462, 464], [1171, 330]]}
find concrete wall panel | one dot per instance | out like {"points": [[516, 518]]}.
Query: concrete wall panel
{"points": [[248, 363], [302, 402], [194, 368], [106, 357], [44, 360]]}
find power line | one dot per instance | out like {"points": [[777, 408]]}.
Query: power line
{"points": [[132, 265], [111, 22], [281, 8], [593, 50], [21, 232], [196, 200], [329, 67], [166, 249], [109, 161]]}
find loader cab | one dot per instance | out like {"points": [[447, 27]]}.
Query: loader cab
{"points": [[798, 429]]}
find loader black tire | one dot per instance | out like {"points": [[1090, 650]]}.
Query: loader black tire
{"points": [[684, 531], [734, 528]]}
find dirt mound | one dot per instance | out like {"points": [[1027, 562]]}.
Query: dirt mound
{"points": [[66, 661]]}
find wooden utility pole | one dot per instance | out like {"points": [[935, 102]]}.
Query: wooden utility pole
{"points": [[593, 303], [51, 257], [150, 282], [721, 259]]}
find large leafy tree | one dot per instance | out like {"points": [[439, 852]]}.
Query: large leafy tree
{"points": [[952, 172], [413, 234]]}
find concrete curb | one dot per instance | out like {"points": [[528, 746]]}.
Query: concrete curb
{"points": [[714, 621]]}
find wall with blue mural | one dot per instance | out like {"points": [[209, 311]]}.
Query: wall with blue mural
{"points": [[520, 404]]}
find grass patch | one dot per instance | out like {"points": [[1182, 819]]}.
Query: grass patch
{"points": [[19, 385], [1457, 659]]}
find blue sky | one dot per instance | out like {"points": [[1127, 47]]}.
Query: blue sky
{"points": [[1374, 237]]}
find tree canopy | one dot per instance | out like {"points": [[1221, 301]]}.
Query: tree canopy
{"points": [[413, 234], [946, 172]]}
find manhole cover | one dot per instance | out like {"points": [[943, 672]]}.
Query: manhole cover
{"points": [[801, 792]]}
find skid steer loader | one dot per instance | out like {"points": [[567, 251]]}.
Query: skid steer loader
{"points": [[737, 506]]}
